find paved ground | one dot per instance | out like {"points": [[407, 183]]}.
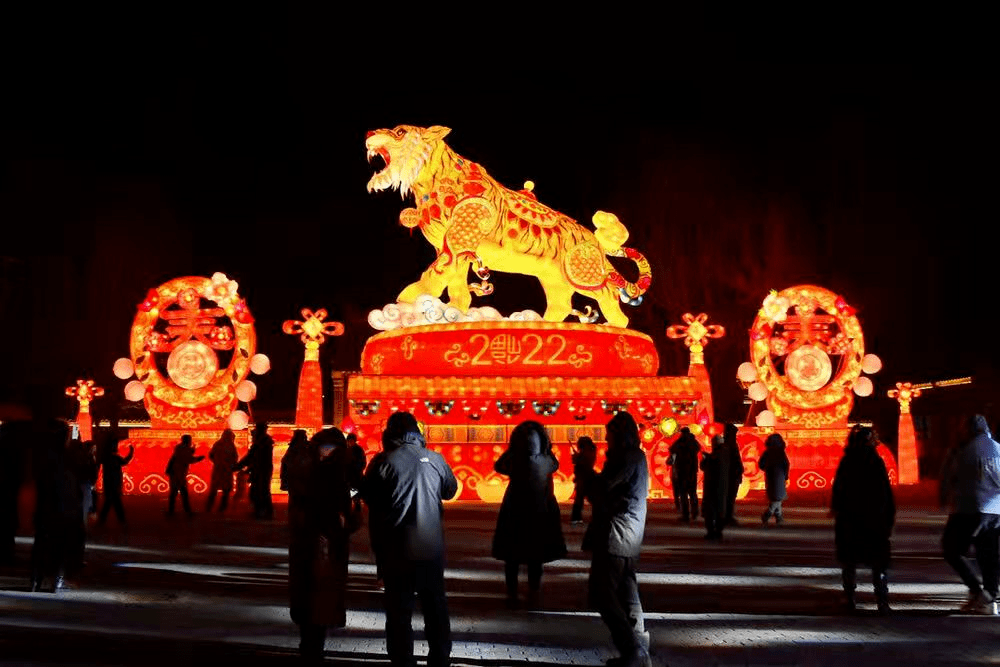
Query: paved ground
{"points": [[212, 590]]}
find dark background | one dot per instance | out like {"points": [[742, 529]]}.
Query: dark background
{"points": [[139, 148]]}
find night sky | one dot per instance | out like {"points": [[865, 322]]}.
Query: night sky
{"points": [[137, 152]]}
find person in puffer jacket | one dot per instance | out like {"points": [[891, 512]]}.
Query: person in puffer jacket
{"points": [[614, 538], [970, 483]]}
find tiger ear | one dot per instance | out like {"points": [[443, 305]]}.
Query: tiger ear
{"points": [[436, 132]]}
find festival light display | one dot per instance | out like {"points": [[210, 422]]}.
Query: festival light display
{"points": [[191, 347], [807, 351], [84, 392], [312, 330], [909, 472], [470, 374], [696, 334]]}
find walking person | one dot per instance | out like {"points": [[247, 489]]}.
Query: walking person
{"points": [[715, 465], [864, 511], [736, 470], [111, 465], [223, 457], [177, 472], [970, 483], [584, 460], [683, 461], [614, 539], [260, 466], [529, 525], [321, 519], [775, 466], [404, 491]]}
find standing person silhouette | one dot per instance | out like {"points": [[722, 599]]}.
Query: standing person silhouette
{"points": [[864, 512], [223, 457], [614, 538], [260, 465], [735, 469], [404, 492], [584, 460], [321, 520], [529, 526], [684, 465], [177, 471], [775, 466], [111, 465], [715, 465]]}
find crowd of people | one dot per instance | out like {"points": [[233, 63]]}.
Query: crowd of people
{"points": [[403, 487]]}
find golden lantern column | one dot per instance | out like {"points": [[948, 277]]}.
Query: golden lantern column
{"points": [[313, 331], [909, 471], [696, 334], [85, 391]]}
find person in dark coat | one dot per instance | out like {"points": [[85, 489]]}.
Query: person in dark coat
{"points": [[177, 472], [736, 470], [775, 466], [14, 442], [864, 513], [404, 492], [614, 539], [584, 460], [529, 525], [715, 487], [260, 466], [684, 471], [82, 462], [223, 457], [377, 522], [111, 464], [320, 521], [58, 506]]}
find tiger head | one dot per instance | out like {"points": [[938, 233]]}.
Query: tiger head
{"points": [[405, 150]]}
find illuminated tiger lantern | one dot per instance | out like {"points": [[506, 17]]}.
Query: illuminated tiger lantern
{"points": [[474, 222]]}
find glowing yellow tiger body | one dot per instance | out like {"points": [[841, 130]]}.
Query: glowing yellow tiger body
{"points": [[469, 218]]}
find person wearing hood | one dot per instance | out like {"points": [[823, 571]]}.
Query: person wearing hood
{"points": [[618, 495], [864, 511], [774, 464], [736, 471], [970, 483], [529, 525], [223, 457], [404, 491], [320, 522], [715, 486], [683, 462]]}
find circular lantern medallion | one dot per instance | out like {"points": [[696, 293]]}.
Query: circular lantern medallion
{"points": [[191, 344], [806, 344], [808, 368], [192, 365]]}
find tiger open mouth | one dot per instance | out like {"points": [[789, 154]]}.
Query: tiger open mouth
{"points": [[379, 159]]}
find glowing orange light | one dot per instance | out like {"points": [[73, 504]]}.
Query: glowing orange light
{"points": [[312, 330], [202, 333], [84, 392], [463, 212], [909, 471]]}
